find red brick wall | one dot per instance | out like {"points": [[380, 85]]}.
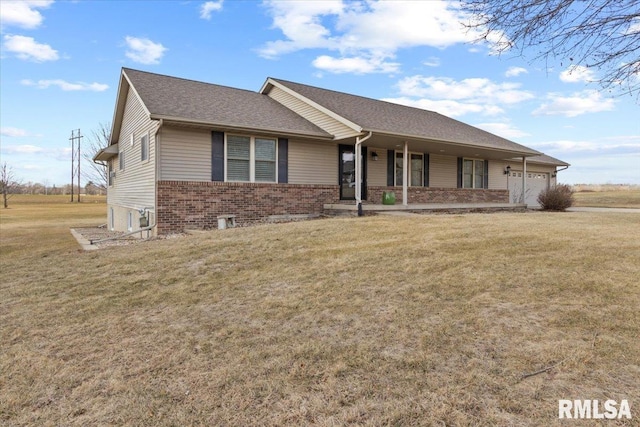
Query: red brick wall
{"points": [[440, 195], [189, 204], [195, 204]]}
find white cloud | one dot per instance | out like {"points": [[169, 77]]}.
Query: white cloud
{"points": [[22, 149], [66, 86], [301, 24], [13, 132], [447, 107], [515, 71], [28, 49], [23, 14], [472, 88], [209, 7], [505, 130], [144, 50], [455, 98], [362, 29], [354, 65], [432, 61], [588, 101], [576, 74], [617, 145]]}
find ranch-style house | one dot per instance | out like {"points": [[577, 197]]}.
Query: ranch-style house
{"points": [[184, 152]]}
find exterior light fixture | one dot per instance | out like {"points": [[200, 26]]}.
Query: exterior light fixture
{"points": [[507, 170], [374, 156]]}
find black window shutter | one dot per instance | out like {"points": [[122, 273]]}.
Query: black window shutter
{"points": [[459, 172], [217, 156], [485, 184], [426, 170], [391, 158], [283, 160]]}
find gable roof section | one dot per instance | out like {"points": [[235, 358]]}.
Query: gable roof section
{"points": [[189, 101], [395, 119]]}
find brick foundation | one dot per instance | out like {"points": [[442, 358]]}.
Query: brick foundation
{"points": [[196, 205], [440, 195]]}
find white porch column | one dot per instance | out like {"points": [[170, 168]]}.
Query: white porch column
{"points": [[405, 175], [358, 172], [524, 179]]}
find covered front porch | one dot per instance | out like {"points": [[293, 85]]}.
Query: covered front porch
{"points": [[428, 174]]}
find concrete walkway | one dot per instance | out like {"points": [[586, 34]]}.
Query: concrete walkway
{"points": [[603, 210]]}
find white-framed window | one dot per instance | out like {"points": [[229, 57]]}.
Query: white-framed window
{"points": [[130, 221], [144, 148], [121, 160], [473, 173], [250, 159], [111, 172], [416, 169]]}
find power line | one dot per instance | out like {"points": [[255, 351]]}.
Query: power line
{"points": [[75, 159]]}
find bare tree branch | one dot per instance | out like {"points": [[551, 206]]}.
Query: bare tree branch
{"points": [[99, 139], [8, 183], [602, 35]]}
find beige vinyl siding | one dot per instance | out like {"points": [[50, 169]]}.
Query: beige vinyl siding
{"points": [[313, 162], [135, 186], [185, 154], [497, 177], [377, 170], [315, 116], [443, 171]]}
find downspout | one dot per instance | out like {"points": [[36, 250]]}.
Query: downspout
{"points": [[555, 173], [149, 228], [156, 166], [524, 180], [358, 171]]}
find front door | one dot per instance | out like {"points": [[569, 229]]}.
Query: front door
{"points": [[347, 172]]}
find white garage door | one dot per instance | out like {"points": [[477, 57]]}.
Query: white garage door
{"points": [[536, 182]]}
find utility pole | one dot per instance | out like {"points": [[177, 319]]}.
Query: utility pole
{"points": [[75, 160]]}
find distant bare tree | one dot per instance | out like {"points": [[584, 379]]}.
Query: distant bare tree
{"points": [[8, 183], [99, 139], [601, 35]]}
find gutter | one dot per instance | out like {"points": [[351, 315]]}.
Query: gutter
{"points": [[555, 174], [239, 127]]}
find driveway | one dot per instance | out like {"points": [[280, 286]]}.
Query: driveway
{"points": [[619, 210]]}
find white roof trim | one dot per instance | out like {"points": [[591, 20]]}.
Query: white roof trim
{"points": [[346, 122]]}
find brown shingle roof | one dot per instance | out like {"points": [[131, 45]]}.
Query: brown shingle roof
{"points": [[189, 100], [386, 117]]}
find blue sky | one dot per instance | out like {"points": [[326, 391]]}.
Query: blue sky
{"points": [[61, 60]]}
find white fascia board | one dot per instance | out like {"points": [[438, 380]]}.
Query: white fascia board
{"points": [[306, 100], [529, 153]]}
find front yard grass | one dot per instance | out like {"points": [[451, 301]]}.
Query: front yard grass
{"points": [[426, 320], [608, 199]]}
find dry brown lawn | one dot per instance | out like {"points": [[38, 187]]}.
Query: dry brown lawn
{"points": [[608, 199], [426, 320]]}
